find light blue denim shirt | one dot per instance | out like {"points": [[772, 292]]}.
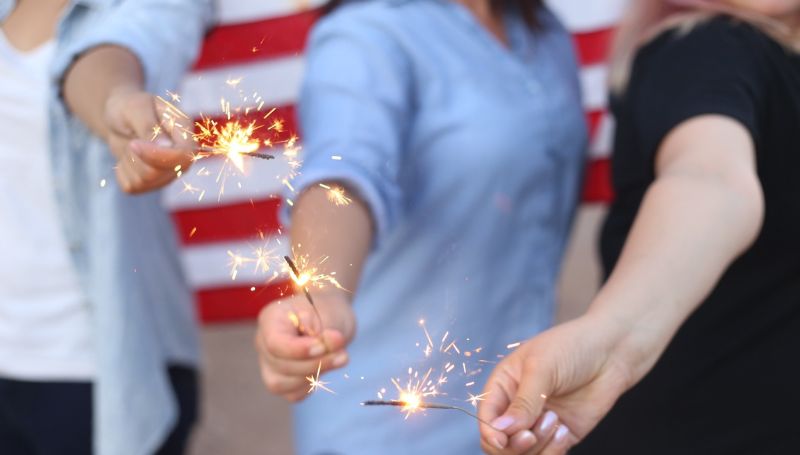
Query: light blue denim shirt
{"points": [[469, 155], [125, 247]]}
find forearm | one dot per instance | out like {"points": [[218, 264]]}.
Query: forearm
{"points": [[92, 80], [334, 238], [688, 231]]}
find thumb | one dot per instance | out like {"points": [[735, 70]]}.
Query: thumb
{"points": [[529, 401]]}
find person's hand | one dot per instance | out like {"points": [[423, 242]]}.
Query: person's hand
{"points": [[291, 346], [553, 390], [145, 161]]}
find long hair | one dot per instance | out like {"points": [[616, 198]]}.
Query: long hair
{"points": [[527, 8], [647, 19]]}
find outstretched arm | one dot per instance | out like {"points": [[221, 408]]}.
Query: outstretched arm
{"points": [[704, 209], [109, 70]]}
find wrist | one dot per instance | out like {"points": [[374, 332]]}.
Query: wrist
{"points": [[629, 342]]}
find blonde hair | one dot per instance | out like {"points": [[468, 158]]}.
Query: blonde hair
{"points": [[647, 19]]}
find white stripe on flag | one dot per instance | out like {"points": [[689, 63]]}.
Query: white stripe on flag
{"points": [[277, 81], [261, 180], [209, 266], [604, 138], [241, 11], [588, 15], [594, 87]]}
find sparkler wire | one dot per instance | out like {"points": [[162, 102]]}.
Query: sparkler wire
{"points": [[263, 156], [296, 273], [424, 405]]}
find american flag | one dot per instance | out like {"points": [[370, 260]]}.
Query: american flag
{"points": [[262, 42]]}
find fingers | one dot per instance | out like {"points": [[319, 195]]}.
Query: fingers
{"points": [[562, 440], [538, 437], [162, 155], [288, 357], [499, 390], [528, 402]]}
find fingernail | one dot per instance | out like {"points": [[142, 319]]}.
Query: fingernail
{"points": [[136, 146], [501, 423], [162, 141], [340, 359], [548, 420], [497, 444], [316, 350], [523, 441], [561, 433]]}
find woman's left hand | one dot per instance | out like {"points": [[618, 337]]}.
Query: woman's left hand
{"points": [[549, 393], [148, 157]]}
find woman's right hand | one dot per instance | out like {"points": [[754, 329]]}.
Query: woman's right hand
{"points": [[553, 390], [292, 346]]}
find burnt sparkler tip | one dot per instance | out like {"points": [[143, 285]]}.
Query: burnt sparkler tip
{"points": [[292, 265]]}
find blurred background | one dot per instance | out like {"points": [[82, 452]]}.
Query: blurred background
{"points": [[257, 47]]}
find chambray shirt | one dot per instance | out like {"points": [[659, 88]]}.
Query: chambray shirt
{"points": [[124, 247], [469, 155]]}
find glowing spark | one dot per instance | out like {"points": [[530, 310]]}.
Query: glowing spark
{"points": [[425, 405], [103, 183], [233, 82], [193, 232], [336, 157], [474, 399], [174, 96], [314, 383], [231, 140], [336, 195], [513, 345], [306, 273]]}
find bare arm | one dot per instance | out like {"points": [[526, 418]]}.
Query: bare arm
{"points": [[342, 233], [104, 88], [703, 210]]}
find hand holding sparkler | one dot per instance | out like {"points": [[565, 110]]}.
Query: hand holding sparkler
{"points": [[293, 347], [148, 156], [552, 391]]}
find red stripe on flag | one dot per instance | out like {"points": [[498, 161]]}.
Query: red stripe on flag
{"points": [[593, 47], [228, 222], [277, 134], [593, 119], [237, 303], [256, 41], [597, 184]]}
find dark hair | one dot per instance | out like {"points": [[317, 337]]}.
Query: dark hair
{"points": [[527, 8]]}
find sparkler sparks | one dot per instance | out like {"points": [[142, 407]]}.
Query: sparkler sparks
{"points": [[314, 382], [336, 195], [417, 405]]}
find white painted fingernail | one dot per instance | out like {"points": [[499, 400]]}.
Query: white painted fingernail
{"points": [[316, 350], [162, 141], [548, 420], [525, 440], [340, 360], [501, 423], [561, 434]]}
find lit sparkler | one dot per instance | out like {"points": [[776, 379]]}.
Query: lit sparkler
{"points": [[415, 403]]}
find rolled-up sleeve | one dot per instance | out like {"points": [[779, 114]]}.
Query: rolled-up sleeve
{"points": [[355, 108], [165, 35]]}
